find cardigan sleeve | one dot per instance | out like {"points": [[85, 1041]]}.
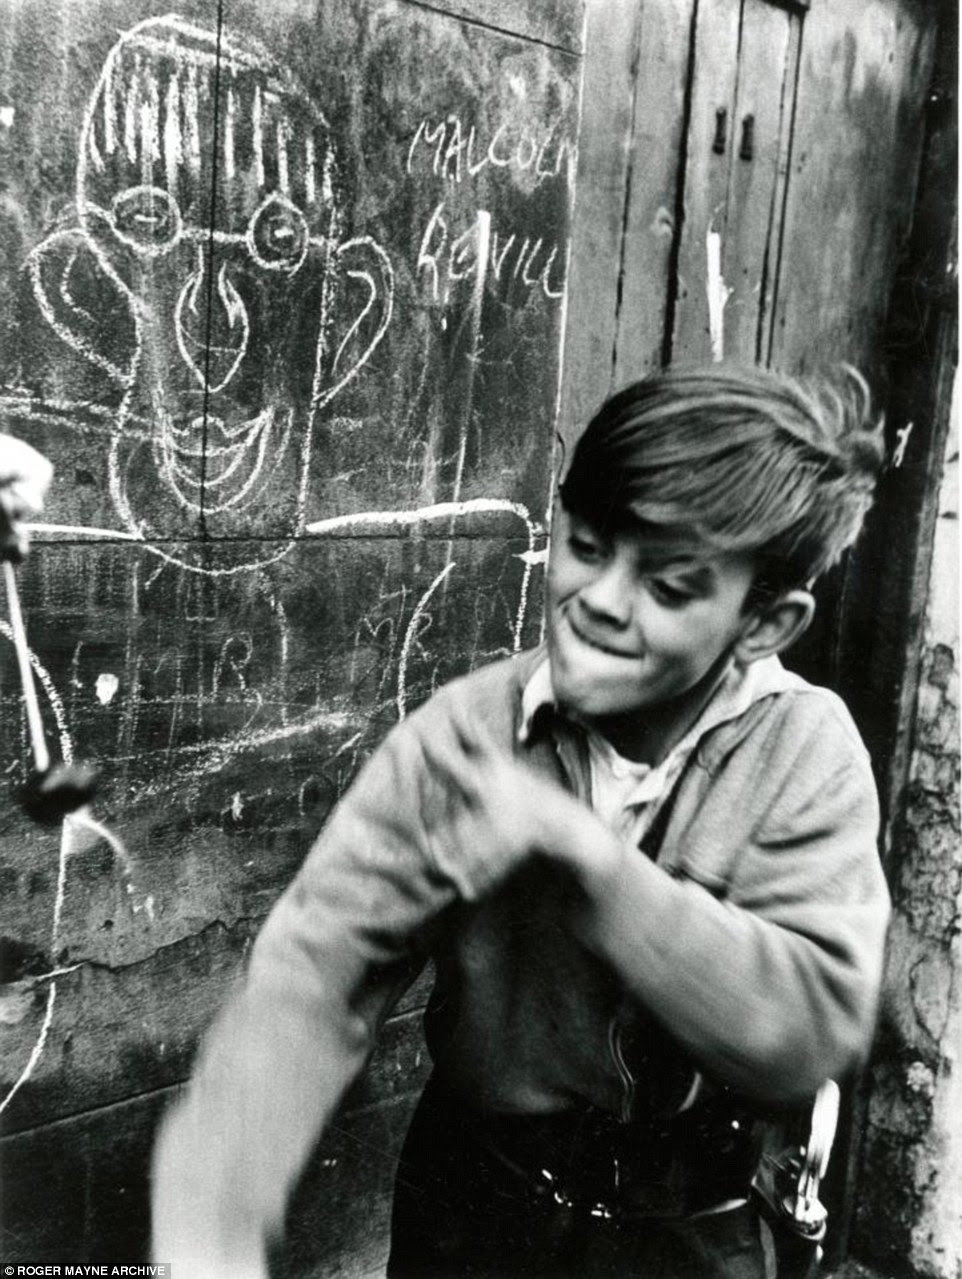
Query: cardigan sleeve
{"points": [[334, 955]]}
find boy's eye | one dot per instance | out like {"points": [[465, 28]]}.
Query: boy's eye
{"points": [[669, 593], [585, 546]]}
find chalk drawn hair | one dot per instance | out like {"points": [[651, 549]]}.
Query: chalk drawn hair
{"points": [[736, 459], [179, 111]]}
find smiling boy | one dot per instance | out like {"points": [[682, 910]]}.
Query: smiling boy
{"points": [[642, 859]]}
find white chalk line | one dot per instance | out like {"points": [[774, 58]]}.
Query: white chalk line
{"points": [[74, 340], [421, 514], [37, 1051], [444, 511], [67, 834], [66, 747], [223, 749], [165, 36], [83, 530], [483, 224], [56, 705], [44, 412], [409, 637]]}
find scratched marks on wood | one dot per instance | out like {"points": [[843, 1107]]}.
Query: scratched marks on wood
{"points": [[655, 159], [209, 213], [738, 141], [486, 134], [865, 67], [273, 282], [292, 340], [553, 22], [228, 740]]}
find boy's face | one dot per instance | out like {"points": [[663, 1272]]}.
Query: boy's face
{"points": [[633, 624]]}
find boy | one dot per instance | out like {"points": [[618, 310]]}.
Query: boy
{"points": [[642, 858]]}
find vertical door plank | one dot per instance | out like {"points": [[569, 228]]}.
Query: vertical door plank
{"points": [[650, 228], [709, 160], [864, 69], [604, 140], [758, 152]]}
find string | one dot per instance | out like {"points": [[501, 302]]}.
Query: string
{"points": [[41, 754]]}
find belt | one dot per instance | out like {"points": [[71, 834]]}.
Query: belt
{"points": [[588, 1161]]}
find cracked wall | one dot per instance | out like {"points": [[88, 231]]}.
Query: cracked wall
{"points": [[909, 1217]]}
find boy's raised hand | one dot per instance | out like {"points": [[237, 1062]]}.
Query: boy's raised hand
{"points": [[25, 477], [488, 814]]}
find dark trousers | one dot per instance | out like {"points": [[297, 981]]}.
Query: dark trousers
{"points": [[462, 1208]]}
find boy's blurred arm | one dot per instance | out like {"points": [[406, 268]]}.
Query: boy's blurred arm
{"points": [[334, 955], [336, 951]]}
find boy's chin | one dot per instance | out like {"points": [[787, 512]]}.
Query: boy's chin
{"points": [[591, 702]]}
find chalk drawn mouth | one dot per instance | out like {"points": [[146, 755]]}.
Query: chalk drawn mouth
{"points": [[221, 465]]}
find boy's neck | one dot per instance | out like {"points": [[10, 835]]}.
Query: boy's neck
{"points": [[648, 735]]}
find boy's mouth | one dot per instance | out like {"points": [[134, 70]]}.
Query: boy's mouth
{"points": [[586, 637]]}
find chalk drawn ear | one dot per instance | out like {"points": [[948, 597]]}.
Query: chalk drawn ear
{"points": [[371, 293], [85, 304]]}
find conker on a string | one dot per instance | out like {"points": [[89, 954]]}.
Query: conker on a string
{"points": [[48, 796]]}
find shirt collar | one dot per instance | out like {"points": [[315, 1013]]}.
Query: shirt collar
{"points": [[537, 695]]}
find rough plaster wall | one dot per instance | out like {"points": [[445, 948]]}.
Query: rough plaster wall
{"points": [[911, 1206], [936, 1241]]}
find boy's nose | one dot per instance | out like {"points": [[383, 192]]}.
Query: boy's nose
{"points": [[607, 598]]}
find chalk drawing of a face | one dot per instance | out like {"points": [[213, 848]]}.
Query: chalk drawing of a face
{"points": [[207, 191]]}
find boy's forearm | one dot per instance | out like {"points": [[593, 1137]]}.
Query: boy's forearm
{"points": [[764, 1008], [269, 1078], [336, 951]]}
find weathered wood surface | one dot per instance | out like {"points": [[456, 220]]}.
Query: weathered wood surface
{"points": [[710, 144], [281, 297], [75, 1191], [284, 299], [865, 68], [551, 22], [601, 188], [738, 142], [906, 1193], [761, 137], [646, 285], [127, 1029]]}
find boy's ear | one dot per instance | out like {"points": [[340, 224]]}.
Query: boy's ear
{"points": [[771, 628]]}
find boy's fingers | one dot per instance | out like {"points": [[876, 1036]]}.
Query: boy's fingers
{"points": [[25, 476], [474, 737], [449, 768]]}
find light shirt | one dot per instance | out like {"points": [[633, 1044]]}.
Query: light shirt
{"points": [[625, 794]]}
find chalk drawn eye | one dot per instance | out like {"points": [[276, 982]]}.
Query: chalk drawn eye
{"points": [[147, 219], [277, 236]]}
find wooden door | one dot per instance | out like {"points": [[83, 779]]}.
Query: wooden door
{"points": [[758, 211], [282, 297]]}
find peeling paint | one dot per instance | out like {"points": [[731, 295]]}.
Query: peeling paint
{"points": [[106, 687], [920, 1078], [14, 1006], [912, 1164]]}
